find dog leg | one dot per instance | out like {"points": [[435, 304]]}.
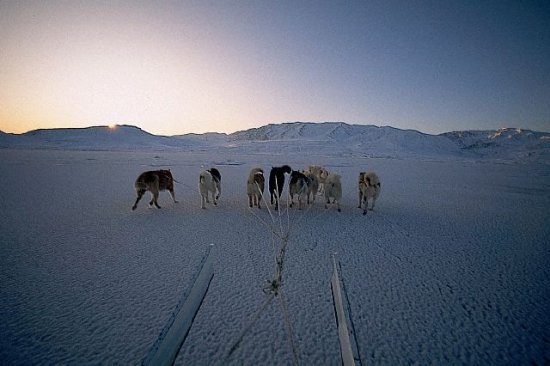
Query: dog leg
{"points": [[155, 199], [360, 198], [276, 201], [173, 195], [373, 202], [139, 195], [154, 188]]}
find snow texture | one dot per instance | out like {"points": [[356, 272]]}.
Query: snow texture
{"points": [[452, 266]]}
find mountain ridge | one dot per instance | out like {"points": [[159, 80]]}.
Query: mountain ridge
{"points": [[505, 143]]}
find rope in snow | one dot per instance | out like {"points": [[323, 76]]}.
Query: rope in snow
{"points": [[273, 286], [249, 326], [288, 327]]}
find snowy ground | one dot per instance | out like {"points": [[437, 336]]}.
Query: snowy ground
{"points": [[453, 266]]}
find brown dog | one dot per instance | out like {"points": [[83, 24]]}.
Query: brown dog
{"points": [[154, 182]]}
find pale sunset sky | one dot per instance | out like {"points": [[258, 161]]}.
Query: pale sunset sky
{"points": [[175, 67]]}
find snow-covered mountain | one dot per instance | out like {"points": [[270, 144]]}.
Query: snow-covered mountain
{"points": [[331, 137], [505, 143], [510, 142], [370, 140], [120, 137]]}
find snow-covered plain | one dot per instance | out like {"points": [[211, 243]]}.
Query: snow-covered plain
{"points": [[452, 267]]}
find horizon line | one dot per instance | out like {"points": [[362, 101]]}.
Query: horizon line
{"points": [[116, 125]]}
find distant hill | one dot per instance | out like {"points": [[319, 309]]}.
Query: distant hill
{"points": [[371, 140], [122, 137], [504, 143], [328, 137]]}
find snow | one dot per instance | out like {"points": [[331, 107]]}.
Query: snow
{"points": [[507, 144], [450, 268]]}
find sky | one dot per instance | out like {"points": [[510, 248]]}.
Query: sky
{"points": [[181, 67]]}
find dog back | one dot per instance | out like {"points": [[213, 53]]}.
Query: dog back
{"points": [[298, 182], [215, 174], [259, 181], [369, 184], [166, 180], [333, 186], [162, 177]]}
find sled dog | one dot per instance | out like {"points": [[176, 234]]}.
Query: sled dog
{"points": [[154, 181], [369, 188], [210, 181], [255, 187]]}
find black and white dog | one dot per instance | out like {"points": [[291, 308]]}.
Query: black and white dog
{"points": [[298, 185], [277, 182], [210, 181]]}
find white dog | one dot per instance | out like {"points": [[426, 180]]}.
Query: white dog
{"points": [[321, 173], [369, 188], [255, 187], [333, 189], [210, 181]]}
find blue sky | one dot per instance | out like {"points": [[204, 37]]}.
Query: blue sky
{"points": [[179, 67]]}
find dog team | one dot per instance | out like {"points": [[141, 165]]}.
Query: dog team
{"points": [[304, 185]]}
